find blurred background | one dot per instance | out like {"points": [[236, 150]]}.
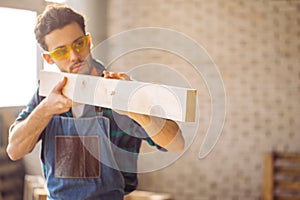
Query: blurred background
{"points": [[254, 44]]}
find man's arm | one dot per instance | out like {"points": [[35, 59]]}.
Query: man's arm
{"points": [[165, 133], [24, 135]]}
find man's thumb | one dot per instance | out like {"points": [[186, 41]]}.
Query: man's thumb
{"points": [[60, 85]]}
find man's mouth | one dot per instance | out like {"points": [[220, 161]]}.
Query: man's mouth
{"points": [[77, 67]]}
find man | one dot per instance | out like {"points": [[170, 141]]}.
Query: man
{"points": [[83, 146]]}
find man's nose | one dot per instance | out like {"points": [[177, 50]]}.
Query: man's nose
{"points": [[74, 55]]}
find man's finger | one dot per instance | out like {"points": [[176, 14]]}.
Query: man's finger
{"points": [[116, 75], [123, 76], [60, 85]]}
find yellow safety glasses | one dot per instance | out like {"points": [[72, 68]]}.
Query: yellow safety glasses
{"points": [[63, 52]]}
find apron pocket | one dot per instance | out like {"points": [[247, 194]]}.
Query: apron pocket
{"points": [[77, 157]]}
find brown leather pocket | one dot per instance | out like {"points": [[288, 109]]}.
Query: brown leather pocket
{"points": [[77, 157]]}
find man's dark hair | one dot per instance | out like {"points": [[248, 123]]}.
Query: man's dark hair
{"points": [[56, 17]]}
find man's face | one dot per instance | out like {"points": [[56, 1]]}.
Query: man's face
{"points": [[76, 62]]}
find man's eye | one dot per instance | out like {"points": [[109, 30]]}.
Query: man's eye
{"points": [[61, 51], [79, 43]]}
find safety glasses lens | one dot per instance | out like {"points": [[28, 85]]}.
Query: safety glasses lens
{"points": [[60, 53], [80, 44], [64, 52]]}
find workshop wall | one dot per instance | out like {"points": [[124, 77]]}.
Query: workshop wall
{"points": [[256, 47]]}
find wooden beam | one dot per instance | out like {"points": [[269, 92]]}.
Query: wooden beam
{"points": [[288, 171], [288, 185], [147, 195], [164, 101], [287, 157], [40, 194], [268, 185]]}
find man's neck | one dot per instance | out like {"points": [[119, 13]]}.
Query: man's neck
{"points": [[94, 72]]}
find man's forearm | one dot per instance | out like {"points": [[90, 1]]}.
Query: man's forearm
{"points": [[165, 133], [24, 135]]}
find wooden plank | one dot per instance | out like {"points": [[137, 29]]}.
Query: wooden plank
{"points": [[288, 171], [159, 100], [268, 185], [31, 182], [10, 168], [288, 157], [146, 195], [11, 196], [40, 194], [285, 197], [288, 185], [11, 185]]}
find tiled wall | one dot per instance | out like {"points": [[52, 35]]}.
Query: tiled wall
{"points": [[256, 46]]}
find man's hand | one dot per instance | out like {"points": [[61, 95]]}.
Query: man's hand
{"points": [[56, 102], [25, 134], [116, 75], [165, 133]]}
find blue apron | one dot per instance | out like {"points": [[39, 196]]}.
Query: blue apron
{"points": [[77, 155]]}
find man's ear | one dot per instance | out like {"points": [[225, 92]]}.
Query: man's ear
{"points": [[90, 41], [47, 58]]}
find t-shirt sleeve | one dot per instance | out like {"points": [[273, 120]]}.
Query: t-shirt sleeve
{"points": [[141, 133], [151, 143], [130, 127], [35, 100]]}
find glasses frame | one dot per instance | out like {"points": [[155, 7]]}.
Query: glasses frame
{"points": [[86, 40]]}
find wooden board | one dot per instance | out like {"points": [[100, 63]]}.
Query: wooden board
{"points": [[281, 176], [146, 195], [268, 185], [164, 101], [288, 185], [31, 183]]}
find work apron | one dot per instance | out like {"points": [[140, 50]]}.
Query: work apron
{"points": [[79, 163]]}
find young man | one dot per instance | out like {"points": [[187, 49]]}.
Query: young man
{"points": [[83, 147]]}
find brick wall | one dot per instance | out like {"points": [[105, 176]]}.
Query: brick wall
{"points": [[256, 47]]}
